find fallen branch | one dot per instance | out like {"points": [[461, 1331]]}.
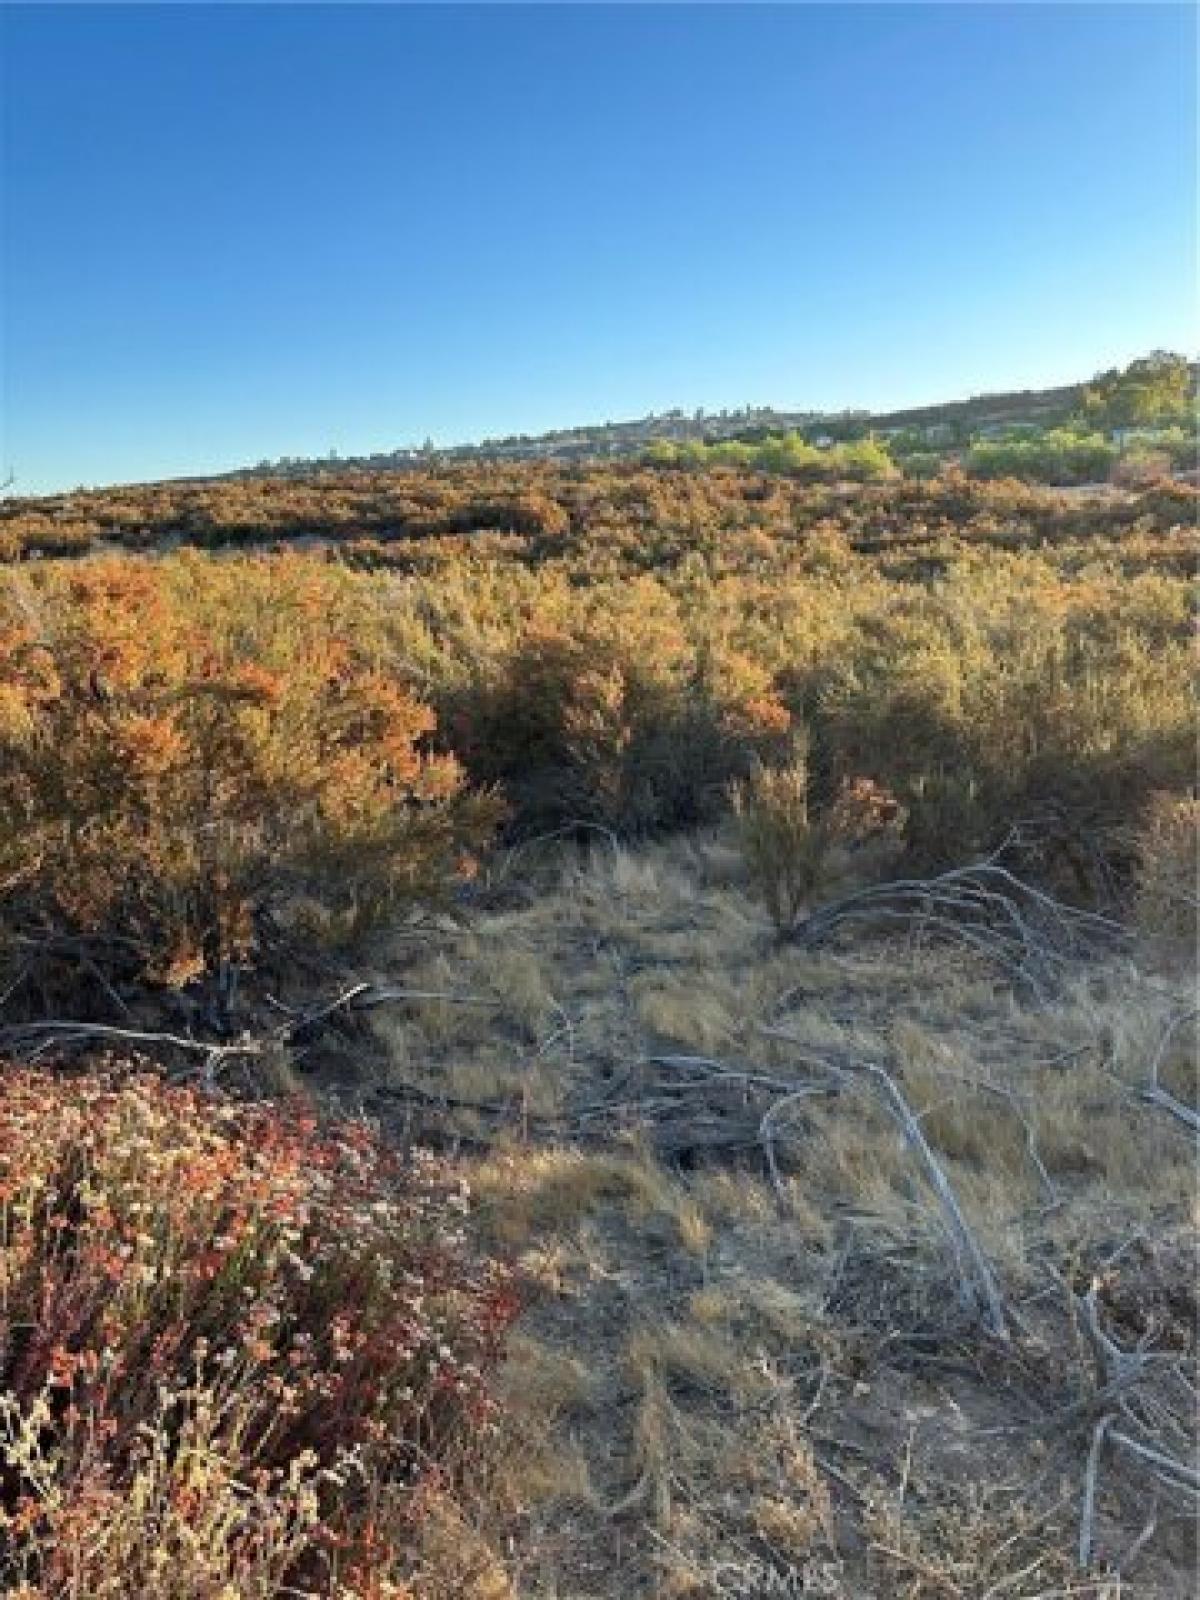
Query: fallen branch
{"points": [[1184, 1475], [30, 1040], [1153, 1092], [1117, 1370], [28, 1032], [1087, 1515], [978, 1280], [766, 1133], [1155, 1096], [984, 907]]}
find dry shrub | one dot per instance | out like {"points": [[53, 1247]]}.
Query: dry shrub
{"points": [[984, 704], [784, 851], [789, 853], [974, 647], [1167, 903], [617, 719], [531, 515], [237, 1353], [620, 645], [1141, 469], [185, 749]]}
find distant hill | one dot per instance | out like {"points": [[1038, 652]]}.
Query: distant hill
{"points": [[947, 421], [631, 438], [947, 425], [1042, 406]]}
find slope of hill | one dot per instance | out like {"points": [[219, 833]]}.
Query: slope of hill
{"points": [[599, 441], [607, 440]]}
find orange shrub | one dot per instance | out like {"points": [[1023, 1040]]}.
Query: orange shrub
{"points": [[532, 514], [233, 1347], [616, 717], [187, 747], [613, 644]]}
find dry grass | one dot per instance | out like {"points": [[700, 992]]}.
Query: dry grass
{"points": [[717, 1382]]}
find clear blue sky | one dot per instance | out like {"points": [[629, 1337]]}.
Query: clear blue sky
{"points": [[235, 232]]}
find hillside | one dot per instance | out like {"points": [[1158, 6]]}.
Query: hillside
{"points": [[632, 438], [599, 441]]}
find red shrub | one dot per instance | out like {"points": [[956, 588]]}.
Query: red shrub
{"points": [[233, 1346]]}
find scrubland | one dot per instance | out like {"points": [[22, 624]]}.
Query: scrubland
{"points": [[769, 910]]}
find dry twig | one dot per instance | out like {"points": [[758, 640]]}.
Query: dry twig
{"points": [[1153, 1092], [985, 908]]}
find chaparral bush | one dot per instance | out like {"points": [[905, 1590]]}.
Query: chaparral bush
{"points": [[614, 715], [788, 850], [186, 746], [1058, 456], [609, 644], [237, 1351], [1010, 698], [784, 849]]}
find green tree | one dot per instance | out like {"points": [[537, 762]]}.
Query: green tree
{"points": [[1155, 391]]}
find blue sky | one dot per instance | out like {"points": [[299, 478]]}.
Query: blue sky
{"points": [[233, 232]]}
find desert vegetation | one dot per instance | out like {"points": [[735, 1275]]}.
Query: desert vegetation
{"points": [[771, 898], [231, 1341]]}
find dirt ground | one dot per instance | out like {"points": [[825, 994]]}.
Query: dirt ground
{"points": [[756, 1357]]}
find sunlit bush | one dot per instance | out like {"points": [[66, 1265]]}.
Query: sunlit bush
{"points": [[612, 644], [789, 850], [1057, 456], [991, 705], [185, 748], [783, 849]]}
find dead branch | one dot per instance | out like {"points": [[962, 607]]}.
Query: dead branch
{"points": [[1179, 1471], [1117, 1370], [367, 996], [984, 908], [980, 1282], [1153, 1092], [569, 830], [1087, 1516], [766, 1132], [31, 1040], [52, 1032], [1155, 1096], [1139, 1544], [710, 1070], [1010, 1098]]}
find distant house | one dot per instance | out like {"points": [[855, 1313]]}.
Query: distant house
{"points": [[1125, 436]]}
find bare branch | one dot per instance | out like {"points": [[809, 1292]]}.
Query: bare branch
{"points": [[1187, 1476], [984, 1287], [1153, 1092], [985, 907], [1087, 1516], [1155, 1096], [766, 1133]]}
